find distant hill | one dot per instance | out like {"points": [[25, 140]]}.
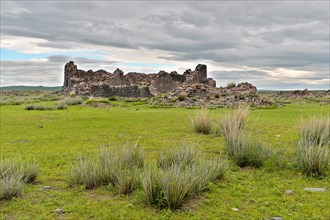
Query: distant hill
{"points": [[32, 88]]}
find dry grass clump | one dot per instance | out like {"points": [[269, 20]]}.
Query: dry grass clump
{"points": [[312, 147], [201, 122], [234, 121]]}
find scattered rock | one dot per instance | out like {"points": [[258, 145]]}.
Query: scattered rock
{"points": [[277, 135], [59, 211], [235, 209], [18, 141], [288, 192], [315, 189], [276, 218], [44, 187]]}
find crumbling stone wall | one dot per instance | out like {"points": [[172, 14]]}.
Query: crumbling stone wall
{"points": [[103, 83], [123, 91]]}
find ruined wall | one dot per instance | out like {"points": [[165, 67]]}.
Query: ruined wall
{"points": [[122, 91], [103, 83]]}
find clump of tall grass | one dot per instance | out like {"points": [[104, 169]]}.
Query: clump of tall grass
{"points": [[315, 129], [10, 186], [239, 144], [73, 100], [84, 173], [178, 177], [244, 151], [57, 106], [13, 175], [234, 121], [126, 180], [201, 122], [312, 147], [182, 157], [151, 185], [117, 167]]}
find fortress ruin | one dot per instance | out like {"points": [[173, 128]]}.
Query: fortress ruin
{"points": [[105, 84]]}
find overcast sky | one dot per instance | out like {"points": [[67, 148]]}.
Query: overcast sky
{"points": [[273, 44]]}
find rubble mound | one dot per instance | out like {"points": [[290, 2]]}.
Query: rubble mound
{"points": [[204, 95], [302, 94]]}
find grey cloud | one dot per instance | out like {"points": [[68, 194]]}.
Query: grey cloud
{"points": [[49, 72], [264, 80], [259, 35]]}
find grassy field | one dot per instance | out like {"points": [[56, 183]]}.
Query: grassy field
{"points": [[55, 139]]}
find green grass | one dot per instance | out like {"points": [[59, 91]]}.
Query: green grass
{"points": [[54, 138]]}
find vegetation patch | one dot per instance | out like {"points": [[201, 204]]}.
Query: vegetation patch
{"points": [[201, 122], [13, 175], [312, 147]]}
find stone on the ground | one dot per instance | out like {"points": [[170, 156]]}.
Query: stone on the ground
{"points": [[288, 192], [315, 189], [235, 209], [59, 211]]}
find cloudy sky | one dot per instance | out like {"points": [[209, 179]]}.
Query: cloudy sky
{"points": [[273, 44]]}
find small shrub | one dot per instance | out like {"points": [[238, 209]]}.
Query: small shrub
{"points": [[201, 122], [231, 85], [113, 98], [84, 173], [61, 105], [73, 100], [96, 101], [29, 107], [181, 98]]}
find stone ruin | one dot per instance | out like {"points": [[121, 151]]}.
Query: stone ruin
{"points": [[192, 88], [105, 84]]}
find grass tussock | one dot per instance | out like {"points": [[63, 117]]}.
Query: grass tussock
{"points": [[244, 151], [117, 167], [14, 175], [312, 147], [234, 121], [60, 105], [239, 145], [84, 173], [73, 100], [201, 122], [315, 129], [182, 157], [173, 181]]}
